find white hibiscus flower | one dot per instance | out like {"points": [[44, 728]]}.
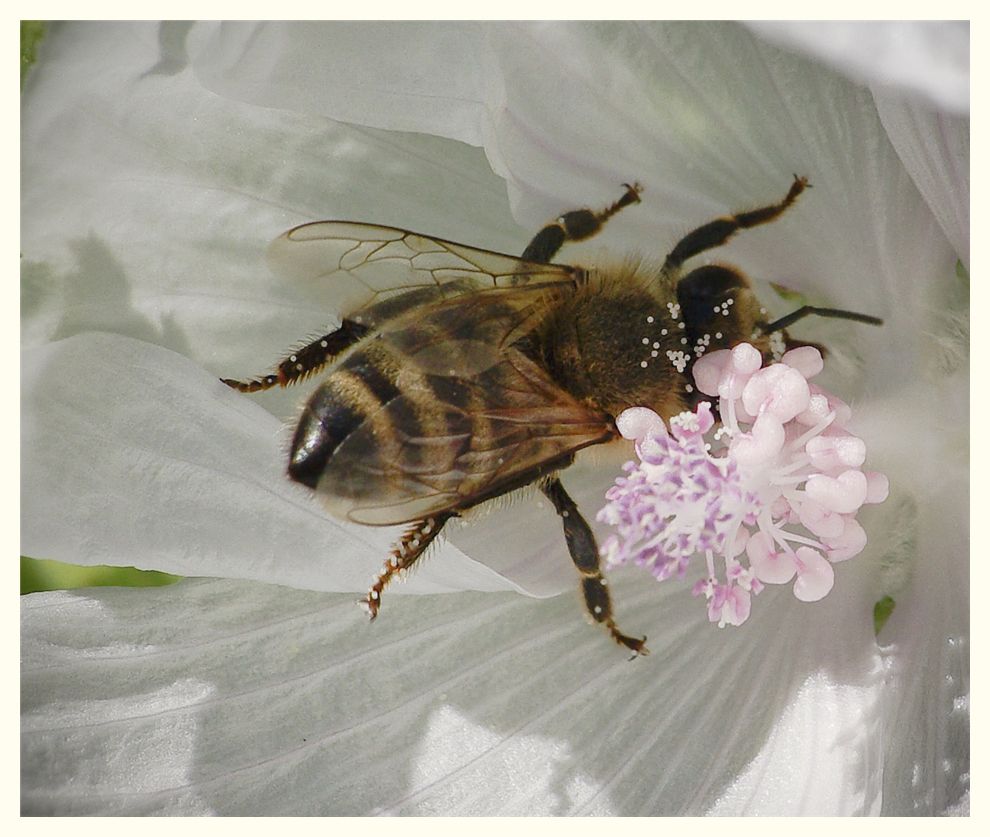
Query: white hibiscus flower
{"points": [[158, 161]]}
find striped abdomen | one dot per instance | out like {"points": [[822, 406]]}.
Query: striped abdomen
{"points": [[437, 414]]}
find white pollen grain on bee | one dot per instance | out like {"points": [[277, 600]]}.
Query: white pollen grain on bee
{"points": [[718, 335], [663, 332], [598, 609], [649, 319], [688, 388], [656, 345], [323, 344], [646, 341], [293, 358], [654, 353], [644, 363]]}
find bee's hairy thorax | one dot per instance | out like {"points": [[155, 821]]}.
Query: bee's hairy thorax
{"points": [[597, 340]]}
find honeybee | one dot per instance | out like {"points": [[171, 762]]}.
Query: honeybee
{"points": [[458, 375]]}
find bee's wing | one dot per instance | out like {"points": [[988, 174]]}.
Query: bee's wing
{"points": [[470, 417], [369, 264], [481, 438]]}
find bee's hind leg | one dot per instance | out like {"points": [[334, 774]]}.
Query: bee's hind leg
{"points": [[405, 553], [584, 552], [306, 360], [576, 225]]}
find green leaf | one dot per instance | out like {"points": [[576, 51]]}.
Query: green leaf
{"points": [[881, 613], [39, 575], [32, 31], [961, 273]]}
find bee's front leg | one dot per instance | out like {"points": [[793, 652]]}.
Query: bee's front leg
{"points": [[576, 225], [716, 233], [584, 552]]}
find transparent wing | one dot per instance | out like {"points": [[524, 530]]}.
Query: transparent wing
{"points": [[369, 264]]}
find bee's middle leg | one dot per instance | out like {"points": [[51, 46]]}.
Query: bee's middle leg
{"points": [[584, 552], [576, 225], [405, 553]]}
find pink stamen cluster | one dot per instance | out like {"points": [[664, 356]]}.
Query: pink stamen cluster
{"points": [[776, 503]]}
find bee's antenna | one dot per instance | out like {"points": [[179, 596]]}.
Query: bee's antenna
{"points": [[806, 310]]}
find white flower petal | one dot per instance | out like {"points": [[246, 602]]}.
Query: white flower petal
{"points": [[934, 148], [834, 720], [924, 567], [237, 698], [930, 58], [148, 201], [383, 75], [134, 456]]}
